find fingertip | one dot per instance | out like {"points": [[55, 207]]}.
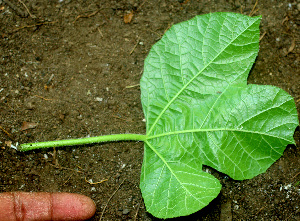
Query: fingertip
{"points": [[89, 206], [71, 206]]}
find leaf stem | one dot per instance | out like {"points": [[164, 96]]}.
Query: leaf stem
{"points": [[81, 141]]}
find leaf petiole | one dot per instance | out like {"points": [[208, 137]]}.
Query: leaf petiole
{"points": [[81, 141]]}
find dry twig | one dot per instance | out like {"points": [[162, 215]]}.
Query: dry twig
{"points": [[92, 183], [100, 32], [31, 15], [137, 211], [31, 26], [141, 5], [253, 11], [68, 179], [261, 37], [285, 19], [110, 199], [8, 134], [86, 16], [46, 99], [131, 86], [137, 42], [295, 176]]}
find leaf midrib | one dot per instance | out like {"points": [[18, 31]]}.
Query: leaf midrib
{"points": [[192, 79], [213, 130]]}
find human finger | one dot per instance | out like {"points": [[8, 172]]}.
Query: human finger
{"points": [[45, 206]]}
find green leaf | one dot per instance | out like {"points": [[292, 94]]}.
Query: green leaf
{"points": [[199, 110]]}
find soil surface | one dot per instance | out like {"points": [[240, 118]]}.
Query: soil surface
{"points": [[71, 69]]}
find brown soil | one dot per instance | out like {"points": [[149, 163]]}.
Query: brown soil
{"points": [[66, 66]]}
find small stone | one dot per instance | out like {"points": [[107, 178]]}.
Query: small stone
{"points": [[93, 189], [99, 99], [236, 207], [125, 211]]}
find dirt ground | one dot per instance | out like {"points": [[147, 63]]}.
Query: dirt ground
{"points": [[71, 69]]}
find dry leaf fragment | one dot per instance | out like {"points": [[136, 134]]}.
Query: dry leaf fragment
{"points": [[8, 143], [291, 48], [128, 17], [28, 125]]}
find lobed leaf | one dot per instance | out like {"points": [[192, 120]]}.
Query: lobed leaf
{"points": [[199, 110]]}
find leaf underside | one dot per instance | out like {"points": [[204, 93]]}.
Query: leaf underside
{"points": [[199, 110]]}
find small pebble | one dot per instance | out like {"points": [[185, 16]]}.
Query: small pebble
{"points": [[100, 99], [125, 211]]}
